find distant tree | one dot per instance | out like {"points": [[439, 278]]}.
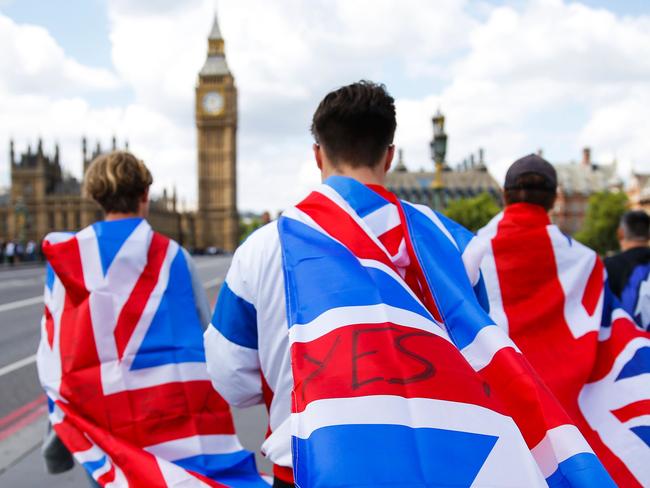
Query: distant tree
{"points": [[247, 227], [473, 213], [601, 221]]}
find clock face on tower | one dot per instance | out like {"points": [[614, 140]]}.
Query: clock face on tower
{"points": [[212, 103]]}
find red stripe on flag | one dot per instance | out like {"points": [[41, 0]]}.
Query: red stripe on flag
{"points": [[342, 227], [267, 395], [139, 467], [623, 331], [166, 412], [72, 437], [533, 300], [423, 290], [284, 473], [384, 359], [415, 277], [392, 239], [593, 288], [107, 477], [64, 259], [49, 327], [632, 410], [527, 400], [132, 309], [80, 374]]}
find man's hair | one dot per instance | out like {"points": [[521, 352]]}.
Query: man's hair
{"points": [[635, 225], [531, 188], [355, 124], [117, 181]]}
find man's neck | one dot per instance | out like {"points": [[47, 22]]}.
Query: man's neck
{"points": [[627, 245], [365, 175], [121, 215]]}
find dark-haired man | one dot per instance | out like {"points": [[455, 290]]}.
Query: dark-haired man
{"points": [[549, 293], [352, 317], [629, 271]]}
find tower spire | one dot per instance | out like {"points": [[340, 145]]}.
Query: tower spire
{"points": [[215, 40], [215, 32], [215, 63]]}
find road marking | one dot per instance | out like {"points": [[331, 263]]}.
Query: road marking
{"points": [[5, 307], [17, 365], [208, 262], [19, 443], [28, 419], [17, 283], [212, 283], [20, 411]]}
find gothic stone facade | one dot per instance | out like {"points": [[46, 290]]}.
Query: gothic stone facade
{"points": [[466, 181], [43, 198]]}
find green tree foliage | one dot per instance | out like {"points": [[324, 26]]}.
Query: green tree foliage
{"points": [[604, 212], [473, 213], [247, 227]]}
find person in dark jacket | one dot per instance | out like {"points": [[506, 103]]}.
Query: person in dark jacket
{"points": [[629, 271]]}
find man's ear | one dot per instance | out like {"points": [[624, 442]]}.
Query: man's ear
{"points": [[145, 196], [390, 154], [318, 156], [620, 235]]}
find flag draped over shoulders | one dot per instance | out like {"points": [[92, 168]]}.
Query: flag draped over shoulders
{"points": [[550, 294], [400, 377], [122, 362]]}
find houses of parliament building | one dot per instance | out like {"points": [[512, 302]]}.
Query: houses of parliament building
{"points": [[42, 198]]}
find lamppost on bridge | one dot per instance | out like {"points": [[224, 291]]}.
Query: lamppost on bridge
{"points": [[438, 147]]}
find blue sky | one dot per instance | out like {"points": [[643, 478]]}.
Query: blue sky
{"points": [[511, 77], [80, 26]]}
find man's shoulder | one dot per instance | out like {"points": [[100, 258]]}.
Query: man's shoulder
{"points": [[614, 260], [631, 257], [567, 244], [265, 237], [259, 248]]}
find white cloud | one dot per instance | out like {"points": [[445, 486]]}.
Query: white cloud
{"points": [[42, 94], [509, 79], [284, 59], [544, 74], [31, 61]]}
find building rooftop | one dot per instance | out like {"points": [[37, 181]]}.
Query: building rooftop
{"points": [[473, 179], [585, 179]]}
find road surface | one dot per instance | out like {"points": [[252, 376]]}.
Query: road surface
{"points": [[22, 406]]}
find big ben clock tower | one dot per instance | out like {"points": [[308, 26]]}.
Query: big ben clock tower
{"points": [[216, 123]]}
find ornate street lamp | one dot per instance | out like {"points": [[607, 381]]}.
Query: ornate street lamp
{"points": [[438, 148]]}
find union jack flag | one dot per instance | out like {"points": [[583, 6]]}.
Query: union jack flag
{"points": [[549, 292], [400, 377], [122, 362]]}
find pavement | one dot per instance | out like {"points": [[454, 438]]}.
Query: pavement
{"points": [[22, 404]]}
